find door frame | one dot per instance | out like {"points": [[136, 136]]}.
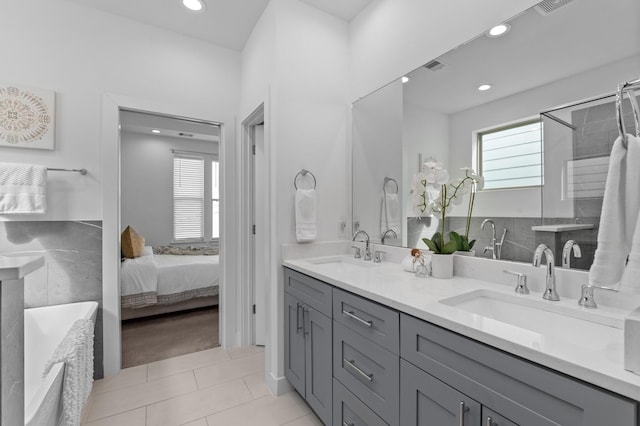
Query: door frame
{"points": [[247, 208], [112, 104]]}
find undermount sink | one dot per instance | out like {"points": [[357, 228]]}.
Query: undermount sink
{"points": [[536, 322], [344, 262]]}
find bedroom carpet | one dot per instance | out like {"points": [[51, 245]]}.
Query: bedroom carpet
{"points": [[145, 340]]}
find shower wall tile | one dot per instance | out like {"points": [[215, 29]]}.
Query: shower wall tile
{"points": [[73, 265], [36, 289]]}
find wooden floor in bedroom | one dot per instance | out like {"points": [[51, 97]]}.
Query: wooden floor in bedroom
{"points": [[146, 340]]}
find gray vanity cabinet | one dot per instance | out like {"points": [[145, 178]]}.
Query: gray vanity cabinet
{"points": [[358, 362], [521, 391], [308, 341]]}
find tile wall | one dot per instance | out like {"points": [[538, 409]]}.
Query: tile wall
{"points": [[73, 265]]}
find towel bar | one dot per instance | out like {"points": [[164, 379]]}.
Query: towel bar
{"points": [[81, 171]]}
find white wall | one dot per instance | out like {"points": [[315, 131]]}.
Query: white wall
{"points": [[296, 61], [146, 171], [521, 106], [392, 37], [81, 53]]}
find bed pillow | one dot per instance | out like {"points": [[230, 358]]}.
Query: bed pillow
{"points": [[132, 243]]}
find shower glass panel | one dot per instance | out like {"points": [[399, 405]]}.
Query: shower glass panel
{"points": [[577, 144]]}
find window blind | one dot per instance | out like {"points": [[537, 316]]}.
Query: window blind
{"points": [[215, 199], [512, 158], [188, 198]]}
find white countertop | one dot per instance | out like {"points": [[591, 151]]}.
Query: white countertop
{"points": [[601, 364], [16, 267]]}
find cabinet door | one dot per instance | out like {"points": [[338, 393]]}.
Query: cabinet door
{"points": [[426, 401], [294, 351], [318, 345], [491, 418]]}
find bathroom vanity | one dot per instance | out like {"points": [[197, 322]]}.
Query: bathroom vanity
{"points": [[365, 344]]}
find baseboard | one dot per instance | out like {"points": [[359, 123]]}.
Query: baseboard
{"points": [[278, 385]]}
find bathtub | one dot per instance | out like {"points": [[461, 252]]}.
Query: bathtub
{"points": [[44, 329]]}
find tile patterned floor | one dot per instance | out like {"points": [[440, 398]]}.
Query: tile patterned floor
{"points": [[207, 388]]}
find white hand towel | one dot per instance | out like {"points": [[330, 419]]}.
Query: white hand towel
{"points": [[76, 351], [390, 214], [23, 188], [619, 215], [631, 277], [305, 212]]}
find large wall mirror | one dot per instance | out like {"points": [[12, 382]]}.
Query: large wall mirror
{"points": [[555, 70]]}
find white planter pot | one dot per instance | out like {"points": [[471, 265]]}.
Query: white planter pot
{"points": [[442, 265], [471, 253]]}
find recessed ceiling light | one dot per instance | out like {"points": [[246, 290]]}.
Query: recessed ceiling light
{"points": [[155, 131], [405, 79], [194, 5], [498, 30], [484, 87]]}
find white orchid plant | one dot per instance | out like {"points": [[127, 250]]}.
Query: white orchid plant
{"points": [[433, 194]]}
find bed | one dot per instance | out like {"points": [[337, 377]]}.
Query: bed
{"points": [[153, 284]]}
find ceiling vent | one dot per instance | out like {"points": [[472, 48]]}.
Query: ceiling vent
{"points": [[434, 65], [547, 7]]}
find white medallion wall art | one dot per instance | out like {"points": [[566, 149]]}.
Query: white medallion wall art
{"points": [[27, 117]]}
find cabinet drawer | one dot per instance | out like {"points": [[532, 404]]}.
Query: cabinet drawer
{"points": [[524, 392], [309, 291], [375, 322], [349, 410], [368, 370]]}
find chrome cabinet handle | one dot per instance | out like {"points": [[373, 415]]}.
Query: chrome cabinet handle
{"points": [[352, 315], [463, 409], [298, 328], [368, 376], [489, 421], [304, 319]]}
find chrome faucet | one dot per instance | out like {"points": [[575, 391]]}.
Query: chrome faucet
{"points": [[388, 231], [521, 285], [367, 250], [586, 296], [550, 292], [496, 247], [566, 253]]}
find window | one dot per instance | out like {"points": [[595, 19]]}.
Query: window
{"points": [[190, 212], [511, 157]]}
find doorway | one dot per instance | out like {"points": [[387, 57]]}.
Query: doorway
{"points": [[255, 226], [169, 198]]}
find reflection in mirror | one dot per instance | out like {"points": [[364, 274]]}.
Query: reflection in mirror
{"points": [[578, 142], [545, 60]]}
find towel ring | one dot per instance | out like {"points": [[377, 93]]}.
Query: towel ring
{"points": [[386, 181], [304, 172]]}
